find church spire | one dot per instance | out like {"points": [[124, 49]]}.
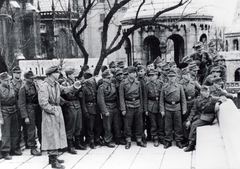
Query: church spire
{"points": [[38, 6]]}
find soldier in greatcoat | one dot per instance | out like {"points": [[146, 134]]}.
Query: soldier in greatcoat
{"points": [[131, 103], [172, 106], [152, 91], [10, 118], [53, 127], [31, 111]]}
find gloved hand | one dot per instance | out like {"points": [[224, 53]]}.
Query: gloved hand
{"points": [[188, 123], [163, 113], [27, 120], [107, 114], [124, 113]]}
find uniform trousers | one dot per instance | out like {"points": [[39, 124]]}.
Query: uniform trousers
{"points": [[35, 117], [133, 114], [73, 120], [173, 122], [113, 120], [94, 127], [193, 129], [9, 128], [157, 125]]}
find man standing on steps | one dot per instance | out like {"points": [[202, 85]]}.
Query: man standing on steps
{"points": [[30, 110], [131, 103], [53, 128]]}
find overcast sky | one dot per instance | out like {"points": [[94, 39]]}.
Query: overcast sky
{"points": [[223, 10]]}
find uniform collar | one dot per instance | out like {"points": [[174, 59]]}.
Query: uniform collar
{"points": [[131, 80]]}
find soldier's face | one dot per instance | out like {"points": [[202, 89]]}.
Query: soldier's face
{"points": [[216, 74], [186, 76], [141, 73], [204, 93], [17, 75], [153, 77], [30, 81], [151, 66], [132, 75], [172, 79], [119, 76]]}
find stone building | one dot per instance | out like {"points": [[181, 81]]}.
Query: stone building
{"points": [[55, 28], [232, 48], [19, 27], [171, 43]]}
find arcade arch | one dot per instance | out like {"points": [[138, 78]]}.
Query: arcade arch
{"points": [[151, 47]]}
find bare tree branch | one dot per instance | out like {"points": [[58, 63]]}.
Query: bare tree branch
{"points": [[139, 8], [116, 37]]}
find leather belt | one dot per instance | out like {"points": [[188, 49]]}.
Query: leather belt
{"points": [[110, 101], [154, 98], [132, 99], [55, 104], [172, 103], [11, 104]]}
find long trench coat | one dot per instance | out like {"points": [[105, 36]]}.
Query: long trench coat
{"points": [[53, 127]]}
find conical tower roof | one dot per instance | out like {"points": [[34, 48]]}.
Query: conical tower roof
{"points": [[151, 7], [235, 26]]}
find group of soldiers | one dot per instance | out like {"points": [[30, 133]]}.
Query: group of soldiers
{"points": [[159, 102]]}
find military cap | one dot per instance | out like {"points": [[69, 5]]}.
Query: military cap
{"points": [[211, 44], [184, 71], [165, 67], [69, 71], [103, 68], [158, 60], [125, 71], [216, 69], [182, 65], [149, 62], [85, 68], [16, 69], [112, 64], [5, 76], [204, 88], [87, 75], [118, 71], [136, 63], [216, 58], [198, 46], [132, 69], [193, 66], [217, 80], [152, 72], [140, 67], [186, 59], [29, 75], [120, 64], [106, 74], [172, 73], [52, 69]]}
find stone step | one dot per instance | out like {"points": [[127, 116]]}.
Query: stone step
{"points": [[210, 149]]}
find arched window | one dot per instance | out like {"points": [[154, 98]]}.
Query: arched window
{"points": [[235, 44], [226, 46], [237, 75]]}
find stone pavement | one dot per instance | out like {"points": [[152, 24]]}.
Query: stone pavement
{"points": [[110, 158]]}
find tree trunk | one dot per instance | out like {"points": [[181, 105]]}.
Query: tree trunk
{"points": [[99, 64], [3, 66], [84, 52]]}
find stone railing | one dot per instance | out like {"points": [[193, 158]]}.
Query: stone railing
{"points": [[229, 121]]}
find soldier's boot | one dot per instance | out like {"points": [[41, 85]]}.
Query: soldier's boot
{"points": [[71, 149], [78, 144], [190, 147], [50, 160], [156, 142], [35, 152], [6, 156], [55, 163]]}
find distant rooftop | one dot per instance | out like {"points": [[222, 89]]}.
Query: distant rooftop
{"points": [[46, 5], [151, 7], [235, 26]]}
